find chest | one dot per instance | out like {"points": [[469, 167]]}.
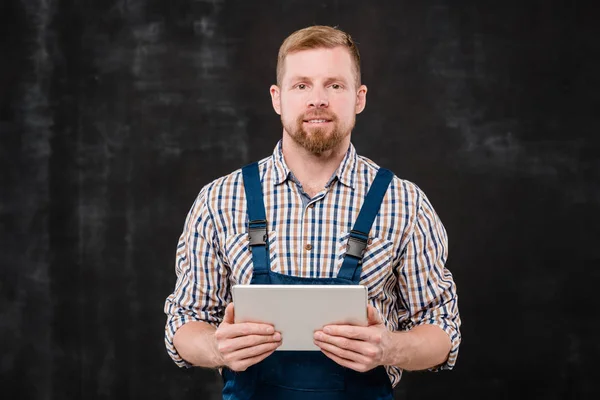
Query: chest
{"points": [[310, 239]]}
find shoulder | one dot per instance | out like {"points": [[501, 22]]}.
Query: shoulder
{"points": [[401, 191], [228, 187]]}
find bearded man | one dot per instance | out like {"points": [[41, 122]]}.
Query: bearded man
{"points": [[313, 189]]}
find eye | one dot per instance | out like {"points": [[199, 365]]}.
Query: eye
{"points": [[301, 86], [336, 86]]}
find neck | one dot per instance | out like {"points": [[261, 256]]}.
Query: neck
{"points": [[312, 170]]}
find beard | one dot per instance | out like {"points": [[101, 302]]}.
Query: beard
{"points": [[317, 140]]}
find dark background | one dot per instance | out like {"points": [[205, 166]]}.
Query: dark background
{"points": [[113, 115]]}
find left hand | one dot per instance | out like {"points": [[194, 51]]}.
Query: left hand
{"points": [[360, 348]]}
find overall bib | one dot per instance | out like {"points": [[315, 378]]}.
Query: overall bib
{"points": [[300, 375]]}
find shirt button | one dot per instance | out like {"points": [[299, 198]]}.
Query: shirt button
{"points": [[308, 246]]}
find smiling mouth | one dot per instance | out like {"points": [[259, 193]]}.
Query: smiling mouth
{"points": [[316, 121]]}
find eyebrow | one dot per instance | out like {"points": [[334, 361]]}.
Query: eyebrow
{"points": [[299, 78], [327, 80]]}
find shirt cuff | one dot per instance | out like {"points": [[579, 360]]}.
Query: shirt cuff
{"points": [[173, 324], [455, 339]]}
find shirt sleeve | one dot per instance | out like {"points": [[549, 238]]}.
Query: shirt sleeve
{"points": [[199, 294], [426, 285]]}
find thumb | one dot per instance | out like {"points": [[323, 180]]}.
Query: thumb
{"points": [[229, 314], [373, 316]]}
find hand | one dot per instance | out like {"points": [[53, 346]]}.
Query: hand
{"points": [[244, 344], [356, 347]]}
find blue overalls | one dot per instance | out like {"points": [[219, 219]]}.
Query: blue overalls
{"points": [[300, 375]]}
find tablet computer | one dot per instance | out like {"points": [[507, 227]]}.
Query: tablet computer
{"points": [[298, 310]]}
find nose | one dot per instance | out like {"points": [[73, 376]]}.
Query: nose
{"points": [[318, 99]]}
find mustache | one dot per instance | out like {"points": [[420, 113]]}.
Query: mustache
{"points": [[318, 115]]}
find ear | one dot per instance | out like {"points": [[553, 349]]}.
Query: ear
{"points": [[361, 99], [276, 98]]}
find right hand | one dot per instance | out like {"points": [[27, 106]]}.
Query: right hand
{"points": [[244, 344]]}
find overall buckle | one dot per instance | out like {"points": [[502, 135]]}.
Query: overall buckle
{"points": [[357, 243], [257, 232]]}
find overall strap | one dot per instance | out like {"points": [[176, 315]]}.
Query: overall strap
{"points": [[257, 226], [357, 242]]}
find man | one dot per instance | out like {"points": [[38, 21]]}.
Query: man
{"points": [[311, 192]]}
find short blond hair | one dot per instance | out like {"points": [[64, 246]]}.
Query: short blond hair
{"points": [[315, 37]]}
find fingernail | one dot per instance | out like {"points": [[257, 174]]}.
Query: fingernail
{"points": [[277, 336], [327, 329], [318, 336]]}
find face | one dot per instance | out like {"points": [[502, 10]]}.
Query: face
{"points": [[318, 99]]}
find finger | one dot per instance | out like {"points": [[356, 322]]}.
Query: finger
{"points": [[346, 363], [349, 331], [363, 348], [343, 353], [235, 344], [373, 316], [252, 352], [245, 329], [248, 362], [229, 317]]}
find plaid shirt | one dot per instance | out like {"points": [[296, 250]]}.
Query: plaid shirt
{"points": [[403, 265]]}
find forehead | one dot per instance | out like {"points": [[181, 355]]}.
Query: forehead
{"points": [[319, 63]]}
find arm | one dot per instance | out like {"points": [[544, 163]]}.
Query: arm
{"points": [[237, 346], [195, 342], [195, 309], [422, 347], [428, 293], [364, 348], [201, 292]]}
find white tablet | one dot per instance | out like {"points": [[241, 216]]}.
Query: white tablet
{"points": [[298, 310]]}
